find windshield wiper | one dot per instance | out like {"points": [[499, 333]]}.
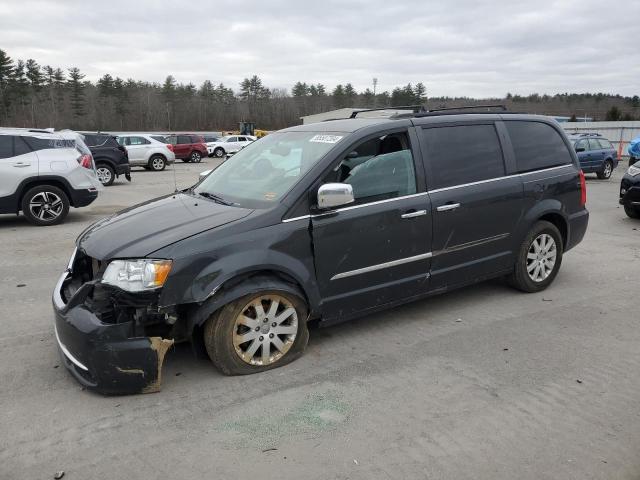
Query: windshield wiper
{"points": [[215, 198]]}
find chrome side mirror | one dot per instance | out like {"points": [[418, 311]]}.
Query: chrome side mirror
{"points": [[335, 195]]}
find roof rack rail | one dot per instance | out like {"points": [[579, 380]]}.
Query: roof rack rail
{"points": [[39, 130], [499, 106], [414, 108]]}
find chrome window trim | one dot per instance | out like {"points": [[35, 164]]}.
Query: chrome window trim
{"points": [[428, 192], [380, 266]]}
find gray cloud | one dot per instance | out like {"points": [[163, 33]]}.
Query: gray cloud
{"points": [[472, 48]]}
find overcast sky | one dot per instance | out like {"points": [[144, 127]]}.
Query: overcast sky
{"points": [[457, 48]]}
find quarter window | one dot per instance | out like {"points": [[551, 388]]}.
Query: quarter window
{"points": [[537, 145], [378, 169], [463, 154]]}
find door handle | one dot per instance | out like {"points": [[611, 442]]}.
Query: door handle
{"points": [[447, 207], [21, 165], [417, 213]]}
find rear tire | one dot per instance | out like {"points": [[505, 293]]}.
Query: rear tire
{"points": [[607, 170], [195, 157], [632, 212], [106, 174], [45, 205], [282, 332], [157, 163], [537, 267]]}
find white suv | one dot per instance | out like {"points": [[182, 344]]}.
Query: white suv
{"points": [[149, 151], [43, 173], [229, 145]]}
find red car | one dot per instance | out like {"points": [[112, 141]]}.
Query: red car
{"points": [[188, 147]]}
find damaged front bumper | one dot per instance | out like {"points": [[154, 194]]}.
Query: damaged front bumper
{"points": [[106, 357]]}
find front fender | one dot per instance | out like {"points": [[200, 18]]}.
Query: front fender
{"points": [[283, 249], [233, 290]]}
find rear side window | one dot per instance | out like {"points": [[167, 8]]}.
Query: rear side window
{"points": [[137, 141], [605, 144], [463, 154], [183, 139], [20, 146], [537, 145], [6, 146], [159, 138], [594, 144]]}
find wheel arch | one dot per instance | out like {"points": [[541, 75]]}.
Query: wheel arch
{"points": [[561, 224], [107, 160], [233, 289], [37, 182], [550, 210]]}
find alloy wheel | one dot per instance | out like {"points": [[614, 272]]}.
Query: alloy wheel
{"points": [[46, 206], [541, 257], [104, 175], [157, 164], [265, 330], [607, 169]]}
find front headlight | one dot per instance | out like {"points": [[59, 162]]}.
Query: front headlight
{"points": [[137, 275], [633, 170]]}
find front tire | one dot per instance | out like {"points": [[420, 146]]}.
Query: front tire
{"points": [[106, 174], [218, 152], [539, 258], [632, 212], [607, 170], [257, 332], [195, 157], [45, 205], [157, 163]]}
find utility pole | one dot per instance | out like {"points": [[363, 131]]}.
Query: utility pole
{"points": [[375, 84]]}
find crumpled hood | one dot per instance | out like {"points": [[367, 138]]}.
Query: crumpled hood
{"points": [[145, 228]]}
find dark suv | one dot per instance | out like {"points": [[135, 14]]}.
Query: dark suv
{"points": [[110, 157], [630, 191], [325, 222], [188, 147]]}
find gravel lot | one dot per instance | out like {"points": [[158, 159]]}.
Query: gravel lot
{"points": [[485, 382]]}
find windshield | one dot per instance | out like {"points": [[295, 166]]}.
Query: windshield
{"points": [[262, 172]]}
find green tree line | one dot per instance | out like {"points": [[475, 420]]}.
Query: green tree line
{"points": [[39, 96]]}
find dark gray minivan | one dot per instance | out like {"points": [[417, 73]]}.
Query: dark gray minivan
{"points": [[327, 221]]}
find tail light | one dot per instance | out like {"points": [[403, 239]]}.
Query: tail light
{"points": [[170, 147], [583, 190], [85, 161]]}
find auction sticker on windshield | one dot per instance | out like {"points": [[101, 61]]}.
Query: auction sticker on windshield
{"points": [[326, 139]]}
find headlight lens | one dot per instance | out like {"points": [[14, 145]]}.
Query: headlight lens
{"points": [[633, 170], [137, 275]]}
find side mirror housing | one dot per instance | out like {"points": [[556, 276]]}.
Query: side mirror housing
{"points": [[580, 149], [332, 195]]}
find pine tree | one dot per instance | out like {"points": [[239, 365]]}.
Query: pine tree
{"points": [[339, 100], [349, 95], [76, 87]]}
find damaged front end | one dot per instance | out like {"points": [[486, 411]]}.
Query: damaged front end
{"points": [[112, 341]]}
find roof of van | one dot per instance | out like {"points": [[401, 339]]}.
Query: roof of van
{"points": [[352, 124]]}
